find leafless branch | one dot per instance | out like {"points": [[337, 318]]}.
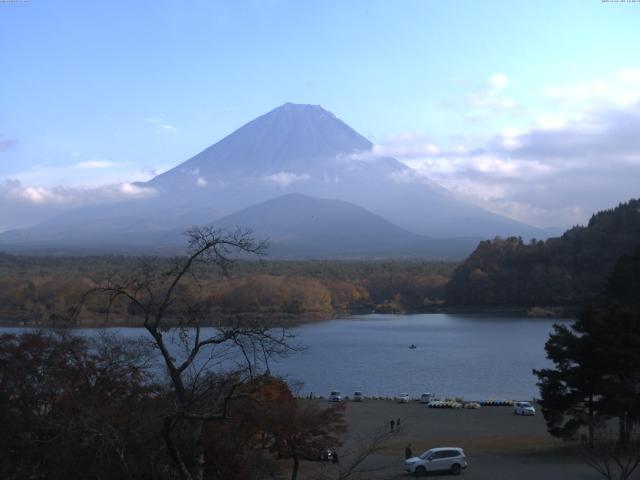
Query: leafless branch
{"points": [[611, 459]]}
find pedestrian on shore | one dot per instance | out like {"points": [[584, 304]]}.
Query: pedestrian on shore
{"points": [[407, 452], [334, 456], [392, 424], [398, 423]]}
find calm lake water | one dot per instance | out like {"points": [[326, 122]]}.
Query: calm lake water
{"points": [[474, 356]]}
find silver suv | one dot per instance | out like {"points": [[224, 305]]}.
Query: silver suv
{"points": [[447, 459]]}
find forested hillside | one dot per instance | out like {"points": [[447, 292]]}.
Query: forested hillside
{"points": [[568, 271], [40, 290]]}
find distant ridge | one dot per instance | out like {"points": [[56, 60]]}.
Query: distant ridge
{"points": [[296, 226], [299, 226]]}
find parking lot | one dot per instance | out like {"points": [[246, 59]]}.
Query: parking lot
{"points": [[497, 443]]}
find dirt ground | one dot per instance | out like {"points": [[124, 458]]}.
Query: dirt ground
{"points": [[498, 444]]}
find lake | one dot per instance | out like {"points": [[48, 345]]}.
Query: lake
{"points": [[472, 356]]}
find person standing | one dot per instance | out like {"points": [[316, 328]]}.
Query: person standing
{"points": [[334, 456], [398, 423], [392, 423], [407, 452]]}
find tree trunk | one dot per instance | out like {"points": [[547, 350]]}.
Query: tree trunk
{"points": [[183, 471], [591, 420], [197, 470], [624, 429], [296, 460]]}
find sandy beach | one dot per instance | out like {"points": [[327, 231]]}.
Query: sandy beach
{"points": [[498, 444]]}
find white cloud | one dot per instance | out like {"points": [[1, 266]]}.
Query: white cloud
{"points": [[90, 173], [201, 182], [629, 75], [361, 156], [491, 98], [131, 190], [406, 145], [551, 121], [284, 179], [621, 90], [572, 150], [510, 136], [93, 164], [499, 81], [579, 153], [161, 124], [578, 91], [505, 185], [460, 150], [449, 169], [37, 195], [15, 191]]}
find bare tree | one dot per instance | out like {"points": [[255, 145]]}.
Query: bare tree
{"points": [[207, 367], [612, 459], [356, 460]]}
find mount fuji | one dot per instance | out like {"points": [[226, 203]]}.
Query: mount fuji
{"points": [[293, 149]]}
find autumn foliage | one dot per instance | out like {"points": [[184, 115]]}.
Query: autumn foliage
{"points": [[76, 408], [568, 271], [46, 290]]}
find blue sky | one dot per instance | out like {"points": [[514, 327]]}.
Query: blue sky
{"points": [[93, 94]]}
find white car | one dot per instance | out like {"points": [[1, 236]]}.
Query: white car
{"points": [[403, 398], [427, 397], [358, 396], [523, 408], [335, 396], [447, 459]]}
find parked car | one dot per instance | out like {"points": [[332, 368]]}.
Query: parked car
{"points": [[358, 396], [426, 397], [523, 408], [326, 454], [321, 454], [335, 396], [447, 459], [403, 398]]}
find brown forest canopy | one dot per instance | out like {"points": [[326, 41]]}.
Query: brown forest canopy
{"points": [[38, 289], [568, 271]]}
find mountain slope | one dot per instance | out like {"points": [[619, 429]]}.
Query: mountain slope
{"points": [[567, 271], [296, 226], [301, 226], [289, 137], [304, 148]]}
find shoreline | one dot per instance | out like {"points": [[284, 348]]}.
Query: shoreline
{"points": [[295, 320]]}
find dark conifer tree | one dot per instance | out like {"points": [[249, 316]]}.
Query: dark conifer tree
{"points": [[597, 361]]}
